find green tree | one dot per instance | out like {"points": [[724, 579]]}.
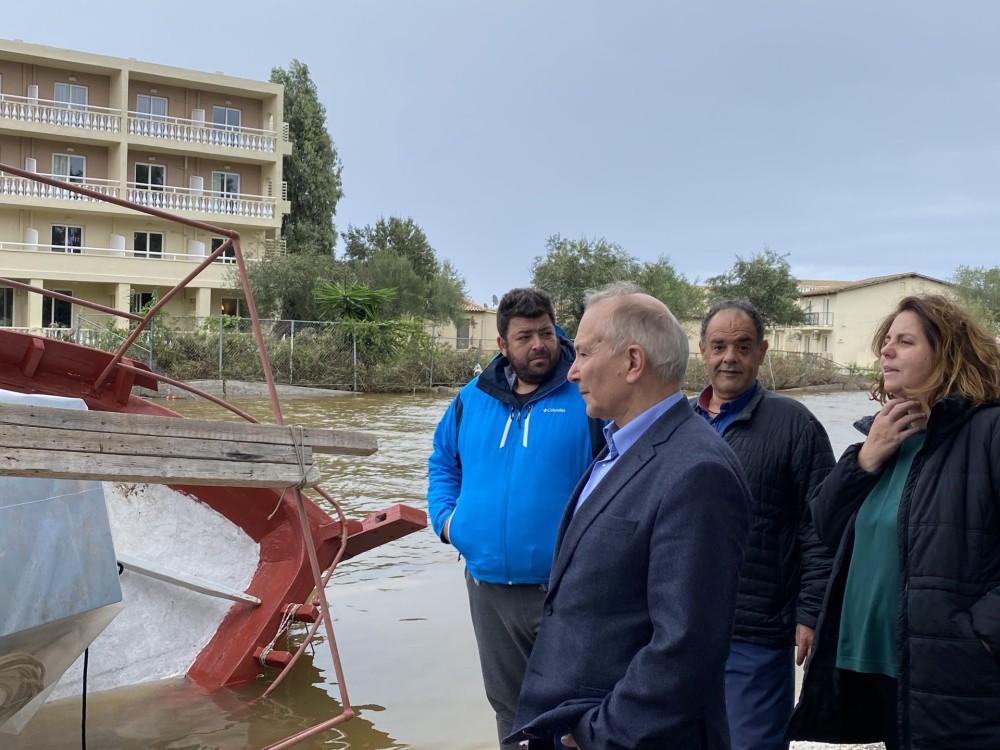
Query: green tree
{"points": [[313, 171], [685, 299], [766, 280], [348, 301], [571, 268], [395, 253], [979, 288], [283, 286]]}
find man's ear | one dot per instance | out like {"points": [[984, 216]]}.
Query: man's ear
{"points": [[636, 363], [502, 345], [763, 349]]}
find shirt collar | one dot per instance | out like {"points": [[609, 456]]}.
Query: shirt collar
{"points": [[620, 439], [736, 405]]}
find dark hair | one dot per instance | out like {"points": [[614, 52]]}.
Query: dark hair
{"points": [[744, 306], [967, 357], [523, 303]]}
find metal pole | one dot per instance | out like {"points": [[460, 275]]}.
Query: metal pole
{"points": [[79, 327], [291, 358], [354, 348], [149, 340], [430, 378]]}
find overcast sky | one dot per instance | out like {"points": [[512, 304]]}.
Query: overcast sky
{"points": [[858, 137]]}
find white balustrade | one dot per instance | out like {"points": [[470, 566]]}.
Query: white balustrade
{"points": [[198, 132], [48, 112]]}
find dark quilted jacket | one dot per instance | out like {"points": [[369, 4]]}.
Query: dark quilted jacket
{"points": [[785, 454], [949, 557]]}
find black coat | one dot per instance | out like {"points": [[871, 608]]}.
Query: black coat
{"points": [[949, 598], [785, 454]]}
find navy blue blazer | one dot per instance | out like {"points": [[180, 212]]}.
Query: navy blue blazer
{"points": [[637, 622]]}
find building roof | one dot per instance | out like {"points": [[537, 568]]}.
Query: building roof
{"points": [[820, 288], [469, 306]]}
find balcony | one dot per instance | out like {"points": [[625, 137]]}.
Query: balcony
{"points": [[19, 186], [818, 320], [47, 112], [105, 252], [169, 198], [199, 133]]}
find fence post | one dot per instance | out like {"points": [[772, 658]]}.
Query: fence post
{"points": [[149, 340], [291, 358], [79, 328], [354, 348], [220, 346], [430, 377]]}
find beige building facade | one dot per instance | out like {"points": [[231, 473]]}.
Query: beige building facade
{"points": [[205, 146], [477, 329], [841, 316]]}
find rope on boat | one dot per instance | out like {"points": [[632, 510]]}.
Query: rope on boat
{"points": [[286, 620]]}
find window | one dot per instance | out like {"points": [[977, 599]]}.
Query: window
{"points": [[462, 334], [226, 184], [150, 176], [229, 256], [57, 313], [151, 107], [70, 167], [67, 239], [139, 300], [226, 118], [6, 306], [147, 244], [233, 306], [70, 96], [151, 113]]}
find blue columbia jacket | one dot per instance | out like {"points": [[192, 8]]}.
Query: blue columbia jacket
{"points": [[503, 474]]}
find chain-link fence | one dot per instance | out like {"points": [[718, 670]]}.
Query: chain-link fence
{"points": [[390, 356]]}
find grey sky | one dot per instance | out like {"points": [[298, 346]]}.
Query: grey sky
{"points": [[860, 138]]}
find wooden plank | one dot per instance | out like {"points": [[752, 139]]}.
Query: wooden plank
{"points": [[339, 442], [151, 469], [53, 438]]}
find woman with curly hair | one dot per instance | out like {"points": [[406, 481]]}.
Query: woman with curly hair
{"points": [[907, 647]]}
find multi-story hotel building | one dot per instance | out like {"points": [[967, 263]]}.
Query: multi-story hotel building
{"points": [[202, 145]]}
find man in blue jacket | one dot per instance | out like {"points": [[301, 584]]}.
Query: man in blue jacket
{"points": [[507, 454]]}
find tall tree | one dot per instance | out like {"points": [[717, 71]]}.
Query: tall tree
{"points": [[571, 268], [395, 253], [979, 288], [765, 280], [313, 171]]}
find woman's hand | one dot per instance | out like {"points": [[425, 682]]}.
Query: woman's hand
{"points": [[896, 421]]}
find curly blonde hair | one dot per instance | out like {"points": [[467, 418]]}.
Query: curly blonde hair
{"points": [[967, 357]]}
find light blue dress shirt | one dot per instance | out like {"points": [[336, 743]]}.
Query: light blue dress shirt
{"points": [[620, 439]]}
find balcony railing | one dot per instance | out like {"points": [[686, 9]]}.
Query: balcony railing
{"points": [[200, 132], [48, 112], [819, 319], [23, 247], [19, 186], [169, 198]]}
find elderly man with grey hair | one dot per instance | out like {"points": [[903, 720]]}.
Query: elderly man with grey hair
{"points": [[638, 616]]}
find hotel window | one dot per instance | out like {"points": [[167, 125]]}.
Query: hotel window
{"points": [[226, 118], [150, 176], [226, 184], [70, 96], [234, 306], [67, 239], [6, 306], [147, 244], [139, 300], [57, 313], [228, 256], [151, 107], [69, 167]]}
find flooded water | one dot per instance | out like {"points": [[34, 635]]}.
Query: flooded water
{"points": [[400, 618]]}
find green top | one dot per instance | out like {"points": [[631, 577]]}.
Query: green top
{"points": [[871, 600]]}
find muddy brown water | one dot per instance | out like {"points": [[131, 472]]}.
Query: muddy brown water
{"points": [[400, 618]]}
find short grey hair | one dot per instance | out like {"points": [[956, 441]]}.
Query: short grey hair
{"points": [[633, 320]]}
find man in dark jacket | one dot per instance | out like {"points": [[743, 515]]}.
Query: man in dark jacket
{"points": [[785, 453], [507, 454]]}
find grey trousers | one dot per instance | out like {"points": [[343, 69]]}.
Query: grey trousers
{"points": [[505, 619]]}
